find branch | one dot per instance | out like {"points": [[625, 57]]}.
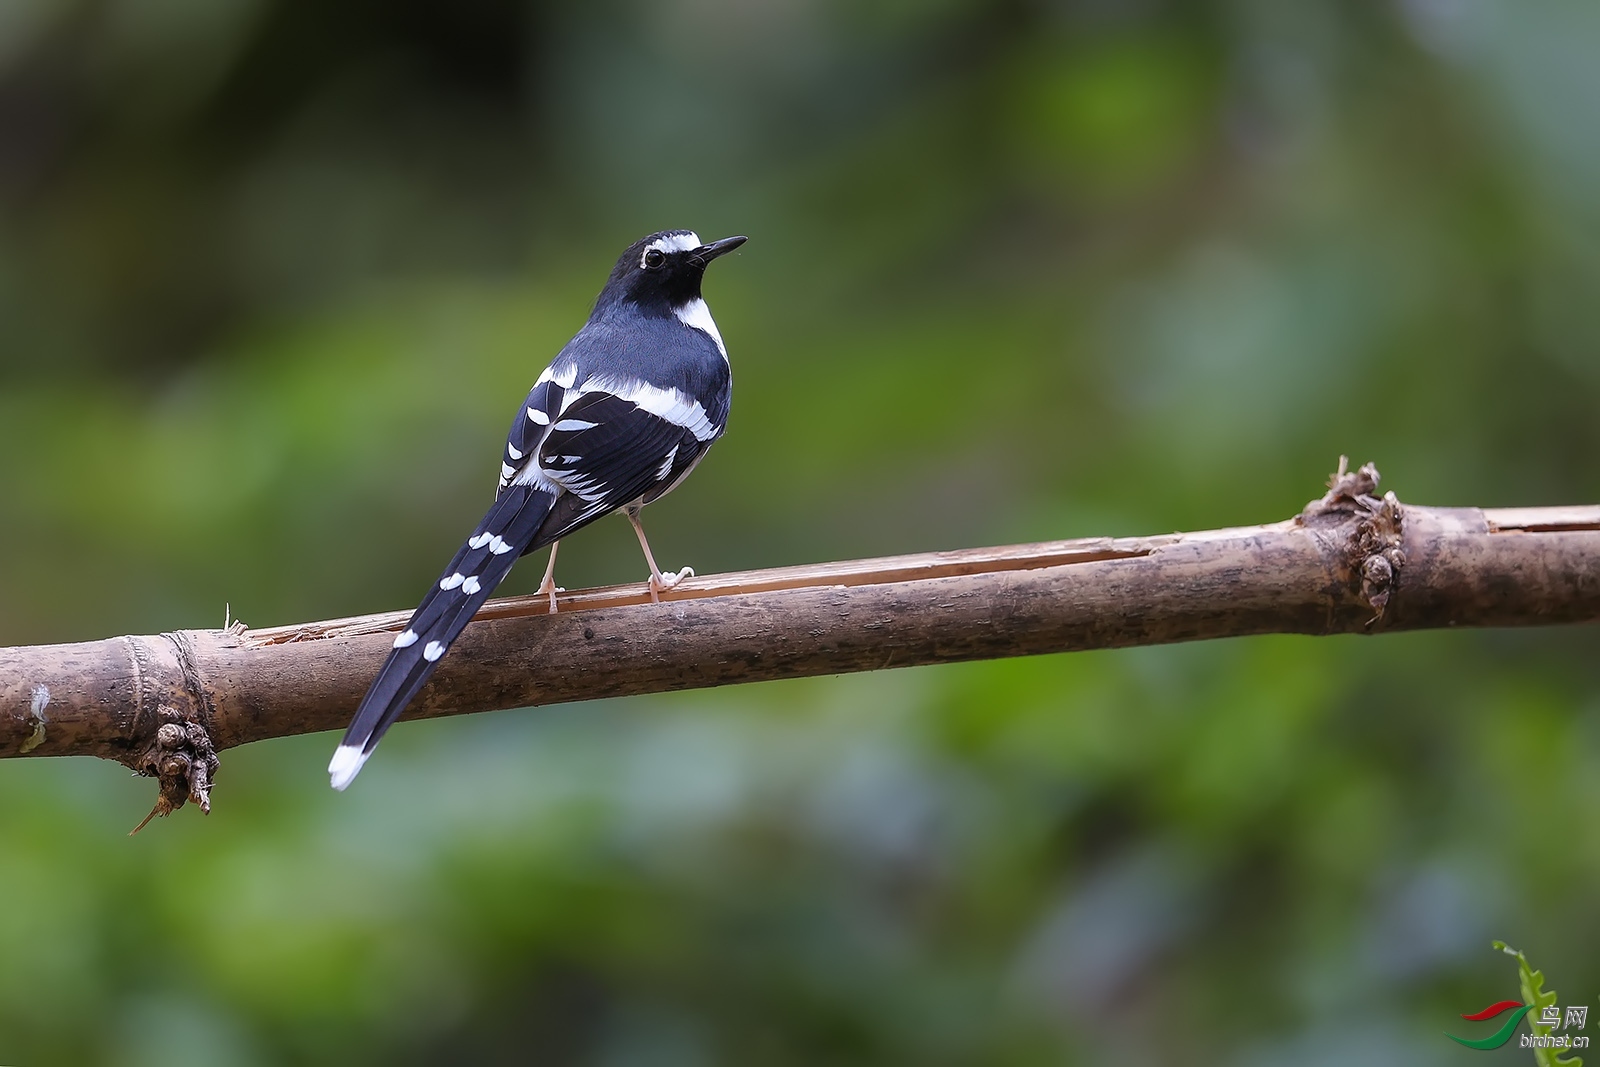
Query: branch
{"points": [[1349, 563]]}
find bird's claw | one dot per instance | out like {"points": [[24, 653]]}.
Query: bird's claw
{"points": [[660, 583], [551, 590]]}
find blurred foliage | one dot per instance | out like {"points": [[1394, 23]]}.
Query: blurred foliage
{"points": [[273, 274]]}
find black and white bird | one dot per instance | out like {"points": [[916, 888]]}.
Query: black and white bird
{"points": [[616, 421]]}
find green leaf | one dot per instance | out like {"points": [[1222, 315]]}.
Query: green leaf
{"points": [[1535, 994]]}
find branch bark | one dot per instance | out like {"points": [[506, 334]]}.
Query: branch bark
{"points": [[1349, 563]]}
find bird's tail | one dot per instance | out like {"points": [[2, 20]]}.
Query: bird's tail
{"points": [[481, 564]]}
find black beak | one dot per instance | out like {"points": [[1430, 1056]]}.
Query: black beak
{"points": [[706, 253]]}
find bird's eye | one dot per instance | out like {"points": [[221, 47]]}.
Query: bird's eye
{"points": [[654, 259]]}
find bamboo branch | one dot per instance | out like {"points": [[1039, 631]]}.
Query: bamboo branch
{"points": [[1349, 563]]}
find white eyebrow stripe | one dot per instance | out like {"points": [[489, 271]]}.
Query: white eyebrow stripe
{"points": [[676, 242], [669, 404]]}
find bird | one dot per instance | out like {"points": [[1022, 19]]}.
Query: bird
{"points": [[618, 419]]}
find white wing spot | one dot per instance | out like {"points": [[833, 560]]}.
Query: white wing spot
{"points": [[498, 545], [538, 417], [573, 425], [536, 476], [666, 464], [471, 585], [452, 581], [563, 377], [514, 452], [405, 639], [583, 486], [432, 651]]}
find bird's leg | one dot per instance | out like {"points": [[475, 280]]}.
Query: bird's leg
{"points": [[658, 582], [549, 586]]}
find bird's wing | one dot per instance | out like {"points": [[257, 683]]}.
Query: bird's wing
{"points": [[615, 443], [532, 422]]}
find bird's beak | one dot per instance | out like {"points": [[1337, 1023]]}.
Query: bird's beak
{"points": [[706, 253]]}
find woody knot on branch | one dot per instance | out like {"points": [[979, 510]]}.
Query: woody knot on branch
{"points": [[183, 761], [1373, 551]]}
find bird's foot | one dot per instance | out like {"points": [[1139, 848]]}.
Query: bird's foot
{"points": [[660, 583], [550, 589]]}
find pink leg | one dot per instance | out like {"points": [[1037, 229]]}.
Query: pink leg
{"points": [[658, 582], [549, 584]]}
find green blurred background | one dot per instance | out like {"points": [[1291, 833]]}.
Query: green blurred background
{"points": [[274, 274]]}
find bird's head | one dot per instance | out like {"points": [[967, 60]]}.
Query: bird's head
{"points": [[663, 271]]}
